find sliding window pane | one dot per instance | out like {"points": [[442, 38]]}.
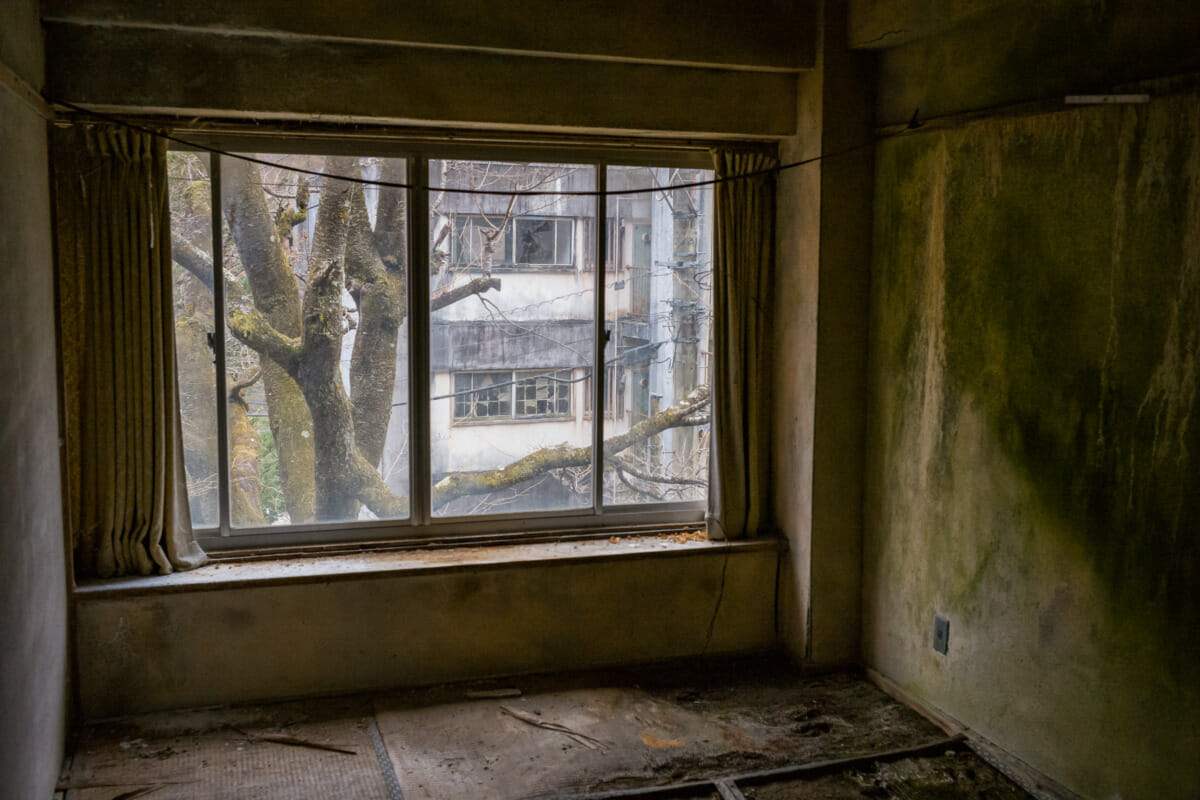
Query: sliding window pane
{"points": [[511, 338], [317, 353], [658, 310], [190, 192]]}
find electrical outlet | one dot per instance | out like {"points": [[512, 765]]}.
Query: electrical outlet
{"points": [[941, 634]]}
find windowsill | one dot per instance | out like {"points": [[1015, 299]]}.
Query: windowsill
{"points": [[228, 574], [498, 420]]}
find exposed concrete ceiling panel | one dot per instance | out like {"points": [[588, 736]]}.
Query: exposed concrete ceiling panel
{"points": [[256, 75], [775, 34]]}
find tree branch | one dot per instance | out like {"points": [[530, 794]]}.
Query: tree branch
{"points": [[193, 259], [636, 489], [625, 466], [459, 484], [476, 286], [248, 326], [252, 329], [376, 495]]}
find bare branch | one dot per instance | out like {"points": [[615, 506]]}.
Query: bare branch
{"points": [[636, 489], [476, 286], [624, 466], [459, 484]]}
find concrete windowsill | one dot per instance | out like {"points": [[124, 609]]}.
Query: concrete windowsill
{"points": [[226, 574]]}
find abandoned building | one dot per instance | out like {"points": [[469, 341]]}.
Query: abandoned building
{"points": [[898, 300]]}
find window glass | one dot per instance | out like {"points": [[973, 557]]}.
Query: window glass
{"points": [[658, 310], [544, 242], [315, 351], [293, 349], [515, 349], [190, 191]]}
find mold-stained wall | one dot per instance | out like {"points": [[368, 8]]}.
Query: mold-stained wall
{"points": [[33, 590], [1034, 437]]}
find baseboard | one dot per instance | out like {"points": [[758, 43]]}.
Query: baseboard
{"points": [[1033, 781], [947, 723]]}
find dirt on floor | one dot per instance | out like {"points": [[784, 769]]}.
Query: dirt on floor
{"points": [[314, 749], [953, 776], [544, 736]]}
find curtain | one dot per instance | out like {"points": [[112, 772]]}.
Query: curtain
{"points": [[126, 495], [743, 252]]}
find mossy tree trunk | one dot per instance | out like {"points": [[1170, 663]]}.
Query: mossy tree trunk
{"points": [[379, 288], [276, 296]]}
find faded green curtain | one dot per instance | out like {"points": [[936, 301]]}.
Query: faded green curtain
{"points": [[743, 252], [127, 498]]}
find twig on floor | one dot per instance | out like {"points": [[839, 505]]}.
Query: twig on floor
{"points": [[293, 741], [68, 786], [142, 792], [582, 738], [490, 694]]}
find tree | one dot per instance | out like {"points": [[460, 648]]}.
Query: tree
{"points": [[287, 311]]}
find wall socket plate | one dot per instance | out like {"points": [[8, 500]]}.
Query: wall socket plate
{"points": [[941, 634]]}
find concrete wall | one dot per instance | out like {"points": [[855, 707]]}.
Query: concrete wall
{"points": [[416, 619], [706, 68], [33, 582], [819, 398], [643, 68], [1032, 469]]}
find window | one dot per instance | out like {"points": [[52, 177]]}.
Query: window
{"points": [[495, 396], [358, 374], [483, 395], [544, 395], [482, 242], [547, 242], [614, 393]]}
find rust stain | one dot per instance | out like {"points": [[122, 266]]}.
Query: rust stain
{"points": [[650, 740]]}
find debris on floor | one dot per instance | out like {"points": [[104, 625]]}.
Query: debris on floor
{"points": [[751, 728], [955, 774]]}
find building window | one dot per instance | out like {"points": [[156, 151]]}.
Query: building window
{"points": [[485, 243], [614, 393], [543, 395], [498, 396], [480, 242], [482, 395], [320, 401], [545, 242]]}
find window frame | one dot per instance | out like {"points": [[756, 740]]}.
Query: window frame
{"points": [[421, 526]]}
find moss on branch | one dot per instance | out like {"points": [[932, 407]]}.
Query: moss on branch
{"points": [[460, 484]]}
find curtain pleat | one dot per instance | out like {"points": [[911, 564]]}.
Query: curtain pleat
{"points": [[743, 252], [127, 502]]}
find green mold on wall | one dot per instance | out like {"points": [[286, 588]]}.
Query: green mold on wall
{"points": [[1034, 437], [1055, 263]]}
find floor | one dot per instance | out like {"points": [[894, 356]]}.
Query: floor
{"points": [[725, 730]]}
